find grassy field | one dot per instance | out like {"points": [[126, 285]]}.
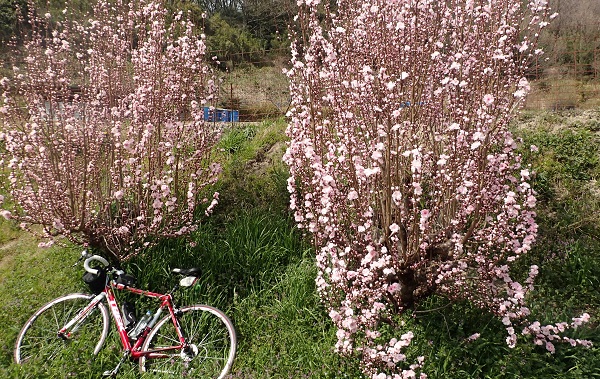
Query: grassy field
{"points": [[260, 271]]}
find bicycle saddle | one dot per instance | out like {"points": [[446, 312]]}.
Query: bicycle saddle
{"points": [[194, 271]]}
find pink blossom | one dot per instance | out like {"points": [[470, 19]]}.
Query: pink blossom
{"points": [[58, 225], [6, 214], [443, 159], [418, 190], [45, 244], [393, 288], [350, 324], [119, 195], [372, 171], [416, 165], [397, 197], [488, 99]]}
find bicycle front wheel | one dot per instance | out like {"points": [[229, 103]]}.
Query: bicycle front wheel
{"points": [[39, 342], [211, 343]]}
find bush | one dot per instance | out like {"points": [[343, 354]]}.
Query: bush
{"points": [[105, 142], [404, 170]]}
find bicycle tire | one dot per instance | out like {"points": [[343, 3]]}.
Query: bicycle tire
{"points": [[38, 341], [211, 337]]}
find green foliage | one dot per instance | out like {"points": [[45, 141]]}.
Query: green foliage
{"points": [[232, 43], [233, 139], [187, 7], [269, 20], [29, 277], [567, 170], [568, 154], [255, 175], [8, 18]]}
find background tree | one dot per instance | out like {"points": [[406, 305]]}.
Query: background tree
{"points": [[231, 43], [8, 20], [403, 168], [269, 20], [225, 7], [576, 29], [105, 141]]}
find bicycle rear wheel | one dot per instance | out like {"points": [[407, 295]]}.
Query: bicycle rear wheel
{"points": [[211, 339], [38, 342]]}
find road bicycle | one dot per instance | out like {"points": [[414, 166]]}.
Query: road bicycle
{"points": [[197, 341]]}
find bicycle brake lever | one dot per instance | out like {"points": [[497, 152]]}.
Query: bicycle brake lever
{"points": [[83, 255], [76, 263]]}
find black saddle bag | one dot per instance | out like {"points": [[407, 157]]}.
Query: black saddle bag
{"points": [[96, 282]]}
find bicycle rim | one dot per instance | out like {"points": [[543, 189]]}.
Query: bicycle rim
{"points": [[211, 339], [38, 342]]}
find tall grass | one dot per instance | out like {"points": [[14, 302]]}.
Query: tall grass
{"points": [[260, 270]]}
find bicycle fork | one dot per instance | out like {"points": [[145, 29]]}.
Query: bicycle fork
{"points": [[75, 323]]}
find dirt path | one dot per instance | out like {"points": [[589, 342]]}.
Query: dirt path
{"points": [[5, 259]]}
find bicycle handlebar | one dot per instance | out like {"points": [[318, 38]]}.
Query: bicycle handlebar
{"points": [[86, 263]]}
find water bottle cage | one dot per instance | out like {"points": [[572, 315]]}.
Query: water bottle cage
{"points": [[129, 316], [140, 326]]}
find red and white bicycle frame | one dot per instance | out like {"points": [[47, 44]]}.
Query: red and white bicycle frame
{"points": [[134, 349]]}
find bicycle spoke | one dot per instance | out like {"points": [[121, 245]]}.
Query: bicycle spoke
{"points": [[38, 342], [210, 344], [171, 340]]}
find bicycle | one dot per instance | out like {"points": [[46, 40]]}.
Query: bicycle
{"points": [[194, 341]]}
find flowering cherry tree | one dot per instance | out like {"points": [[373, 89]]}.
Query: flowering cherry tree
{"points": [[402, 166], [104, 137]]}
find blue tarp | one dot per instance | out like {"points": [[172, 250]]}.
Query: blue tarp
{"points": [[221, 115]]}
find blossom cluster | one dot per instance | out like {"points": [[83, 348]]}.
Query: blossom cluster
{"points": [[403, 169], [104, 131]]}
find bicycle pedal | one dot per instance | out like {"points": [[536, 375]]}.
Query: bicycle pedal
{"points": [[114, 371]]}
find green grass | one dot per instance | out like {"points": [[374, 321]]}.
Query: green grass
{"points": [[259, 270]]}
